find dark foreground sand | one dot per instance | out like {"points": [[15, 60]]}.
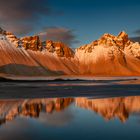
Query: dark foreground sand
{"points": [[101, 88]]}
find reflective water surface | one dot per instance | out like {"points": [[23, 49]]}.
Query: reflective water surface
{"points": [[70, 118]]}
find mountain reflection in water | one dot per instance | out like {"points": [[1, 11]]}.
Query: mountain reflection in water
{"points": [[9, 109], [120, 107], [110, 108]]}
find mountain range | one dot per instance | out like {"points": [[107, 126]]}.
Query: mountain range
{"points": [[108, 56]]}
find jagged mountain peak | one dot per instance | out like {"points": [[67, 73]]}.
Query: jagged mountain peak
{"points": [[108, 40], [109, 55], [61, 49], [121, 35], [34, 43], [121, 40], [2, 32], [9, 36]]}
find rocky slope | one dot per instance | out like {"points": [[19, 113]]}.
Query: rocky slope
{"points": [[27, 56], [108, 56]]}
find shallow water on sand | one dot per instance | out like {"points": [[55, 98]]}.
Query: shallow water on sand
{"points": [[66, 110], [96, 88]]}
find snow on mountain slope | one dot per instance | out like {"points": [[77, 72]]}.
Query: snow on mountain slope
{"points": [[18, 61], [110, 55]]}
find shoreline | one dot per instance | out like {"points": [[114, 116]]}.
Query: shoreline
{"points": [[65, 77], [42, 90]]}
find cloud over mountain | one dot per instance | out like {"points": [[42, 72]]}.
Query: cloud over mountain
{"points": [[21, 16], [64, 35], [137, 31], [136, 37]]}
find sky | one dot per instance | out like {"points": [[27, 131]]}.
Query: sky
{"points": [[74, 22]]}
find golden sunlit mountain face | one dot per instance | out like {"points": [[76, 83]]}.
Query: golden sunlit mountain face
{"points": [[42, 40], [26, 56]]}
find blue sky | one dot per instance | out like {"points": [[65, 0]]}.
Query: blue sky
{"points": [[86, 20]]}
